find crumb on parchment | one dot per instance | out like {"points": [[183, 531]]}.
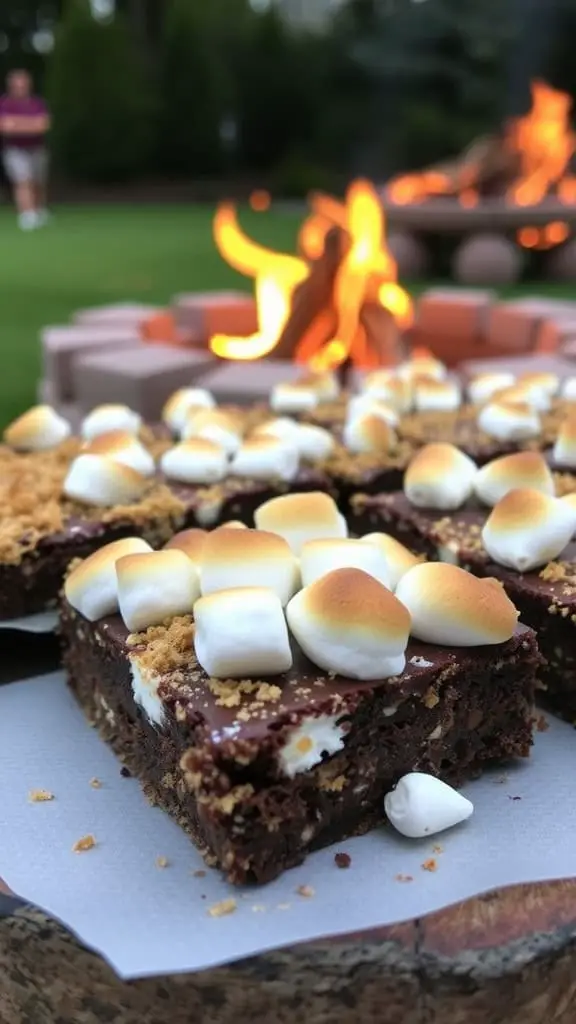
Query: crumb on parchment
{"points": [[283, 906], [85, 843], [430, 865], [306, 891], [199, 873], [95, 783], [162, 862], [40, 796], [437, 849], [403, 878], [222, 908], [342, 860]]}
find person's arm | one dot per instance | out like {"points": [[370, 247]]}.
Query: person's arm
{"points": [[25, 124]]}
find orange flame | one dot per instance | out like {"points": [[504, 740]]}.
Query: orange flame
{"points": [[544, 142]]}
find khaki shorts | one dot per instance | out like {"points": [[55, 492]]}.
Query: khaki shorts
{"points": [[23, 165]]}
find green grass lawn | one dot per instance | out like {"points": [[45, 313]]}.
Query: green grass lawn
{"points": [[97, 254]]}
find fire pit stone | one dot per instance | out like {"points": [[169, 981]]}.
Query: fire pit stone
{"points": [[202, 314], [561, 263], [62, 345], [411, 255], [486, 259], [242, 383], [514, 326], [116, 314]]}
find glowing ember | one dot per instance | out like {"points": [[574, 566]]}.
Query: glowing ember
{"points": [[366, 276]]}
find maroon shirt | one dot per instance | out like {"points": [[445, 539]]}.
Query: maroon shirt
{"points": [[25, 106]]}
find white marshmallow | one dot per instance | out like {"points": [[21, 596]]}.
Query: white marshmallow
{"points": [[266, 458], [283, 427], [422, 805], [105, 418], [509, 421], [214, 425], [367, 404], [324, 383], [145, 686], [346, 622], [368, 433], [399, 558], [242, 632], [564, 451], [482, 388], [248, 558], [319, 557], [99, 480], [181, 403], [301, 517], [450, 606], [155, 587], [191, 542], [293, 398], [315, 737], [312, 442], [91, 587], [529, 393], [543, 380], [526, 529], [124, 448], [422, 366], [197, 461], [37, 430], [439, 476], [437, 395], [522, 469], [568, 392], [395, 392]]}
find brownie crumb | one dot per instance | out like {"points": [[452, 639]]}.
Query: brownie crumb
{"points": [[542, 723], [162, 862], [125, 772], [199, 874], [306, 891], [342, 860], [430, 865], [514, 797], [222, 908], [95, 783], [40, 796], [404, 878], [83, 844], [166, 648]]}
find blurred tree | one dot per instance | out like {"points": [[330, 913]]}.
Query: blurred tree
{"points": [[101, 102]]}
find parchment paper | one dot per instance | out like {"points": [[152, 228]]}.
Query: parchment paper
{"points": [[42, 622], [146, 920]]}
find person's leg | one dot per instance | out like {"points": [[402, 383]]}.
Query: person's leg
{"points": [[19, 173], [40, 170]]}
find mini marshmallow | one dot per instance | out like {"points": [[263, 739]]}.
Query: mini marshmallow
{"points": [[483, 387], [197, 461], [439, 476], [99, 480], [266, 458], [182, 402], [368, 433], [368, 405], [568, 392], [301, 517], [422, 805], [522, 469], [37, 430], [527, 529], [450, 606], [312, 442], [564, 451], [242, 632], [191, 542], [105, 418], [398, 558], [346, 622], [384, 386], [283, 427], [530, 394], [542, 380], [155, 587], [440, 395], [248, 558], [233, 524], [319, 557], [91, 588], [293, 398], [122, 447], [509, 421], [422, 366], [214, 425], [325, 384]]}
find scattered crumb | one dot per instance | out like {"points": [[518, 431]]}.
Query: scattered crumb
{"points": [[404, 878], [258, 908], [514, 797], [199, 874], [83, 844], [95, 783], [162, 862], [305, 890], [430, 865], [283, 906], [40, 796], [437, 849], [542, 723], [125, 772], [222, 908], [501, 780], [342, 860]]}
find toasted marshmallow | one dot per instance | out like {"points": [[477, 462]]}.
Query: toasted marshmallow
{"points": [[526, 529], [180, 404], [37, 430], [368, 433], [542, 380], [347, 622], [450, 606], [319, 557], [398, 558], [422, 366], [522, 469], [266, 458], [568, 392], [99, 480], [293, 398], [312, 442], [483, 387], [530, 394], [91, 588], [564, 450], [233, 524], [422, 805], [301, 517], [283, 427], [509, 421], [242, 632], [570, 501], [214, 425], [384, 386], [440, 395], [197, 461], [124, 448], [439, 476], [191, 542], [367, 404], [248, 558], [105, 418], [324, 384], [155, 587]]}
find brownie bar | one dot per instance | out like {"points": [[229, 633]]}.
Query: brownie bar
{"points": [[460, 428], [213, 761]]}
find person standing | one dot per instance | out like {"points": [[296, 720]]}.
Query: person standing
{"points": [[24, 122]]}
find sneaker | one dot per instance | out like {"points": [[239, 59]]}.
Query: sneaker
{"points": [[42, 217], [28, 220]]}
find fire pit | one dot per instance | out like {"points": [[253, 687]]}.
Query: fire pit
{"points": [[512, 195]]}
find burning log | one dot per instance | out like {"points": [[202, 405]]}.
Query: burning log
{"points": [[312, 315]]}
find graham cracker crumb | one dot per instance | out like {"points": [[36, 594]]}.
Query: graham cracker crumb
{"points": [[166, 648], [229, 692], [404, 878], [430, 865], [162, 862], [40, 796], [437, 849], [95, 783], [199, 873], [306, 891], [85, 843], [222, 908], [431, 698]]}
